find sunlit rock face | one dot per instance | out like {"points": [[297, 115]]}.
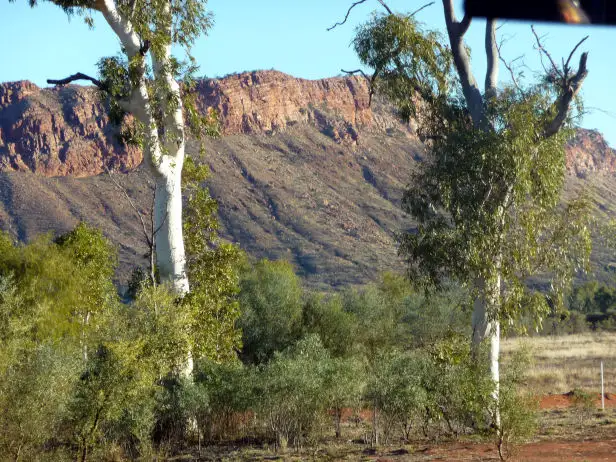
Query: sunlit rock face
{"points": [[65, 131], [58, 132], [588, 152]]}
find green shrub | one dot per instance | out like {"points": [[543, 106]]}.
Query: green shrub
{"points": [[583, 405], [517, 407], [395, 391], [34, 392], [289, 393], [325, 316], [112, 405], [458, 387], [271, 310], [225, 399], [344, 381]]}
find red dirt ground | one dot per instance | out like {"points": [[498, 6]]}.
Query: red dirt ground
{"points": [[546, 451], [566, 399], [543, 451]]}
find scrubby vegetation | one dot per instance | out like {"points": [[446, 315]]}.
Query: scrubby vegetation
{"points": [[87, 376]]}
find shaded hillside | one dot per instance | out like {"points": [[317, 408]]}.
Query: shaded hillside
{"points": [[329, 208], [305, 171]]}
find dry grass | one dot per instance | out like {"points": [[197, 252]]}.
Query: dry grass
{"points": [[564, 363]]}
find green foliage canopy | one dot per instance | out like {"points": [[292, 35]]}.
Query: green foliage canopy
{"points": [[213, 267], [487, 198]]}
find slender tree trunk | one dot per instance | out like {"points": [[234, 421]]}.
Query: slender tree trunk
{"points": [[375, 426], [485, 327], [170, 255], [338, 419]]}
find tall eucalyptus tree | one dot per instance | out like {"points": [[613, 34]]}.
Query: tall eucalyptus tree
{"points": [[487, 198], [141, 85]]}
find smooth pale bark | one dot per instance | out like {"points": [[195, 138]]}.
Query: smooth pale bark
{"points": [[164, 156], [169, 241], [485, 327]]}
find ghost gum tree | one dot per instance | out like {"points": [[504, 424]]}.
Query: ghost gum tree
{"points": [[487, 200], [144, 96]]}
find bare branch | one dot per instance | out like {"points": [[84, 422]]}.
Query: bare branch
{"points": [[77, 76], [359, 2], [464, 24], [566, 66], [133, 206], [461, 59], [509, 66], [543, 51], [421, 8], [356, 71], [571, 88], [382, 2], [371, 81], [502, 24], [450, 14]]}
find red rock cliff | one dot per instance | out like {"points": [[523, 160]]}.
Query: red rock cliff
{"points": [[269, 101], [57, 131], [588, 152], [64, 131]]}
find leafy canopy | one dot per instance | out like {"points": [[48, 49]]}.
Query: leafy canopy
{"points": [[487, 200]]}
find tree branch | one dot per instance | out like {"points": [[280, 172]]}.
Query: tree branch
{"points": [[569, 85], [356, 71], [464, 24], [77, 76], [359, 2], [421, 8], [461, 59], [571, 88], [370, 80], [543, 51], [148, 240], [491, 53], [566, 66], [382, 2], [509, 65]]}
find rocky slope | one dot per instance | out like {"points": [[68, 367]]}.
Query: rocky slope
{"points": [[306, 171], [589, 153]]}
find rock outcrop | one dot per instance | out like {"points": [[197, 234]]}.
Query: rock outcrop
{"points": [[588, 152], [58, 132], [270, 101], [65, 131]]}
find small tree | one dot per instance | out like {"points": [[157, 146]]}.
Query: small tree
{"points": [[214, 268], [271, 303], [325, 315], [290, 391], [344, 383], [395, 390]]}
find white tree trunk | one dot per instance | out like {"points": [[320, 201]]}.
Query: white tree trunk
{"points": [[163, 154], [486, 326], [169, 241]]}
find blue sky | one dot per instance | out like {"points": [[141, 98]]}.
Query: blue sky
{"points": [[290, 36]]}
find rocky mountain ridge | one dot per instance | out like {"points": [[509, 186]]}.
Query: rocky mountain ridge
{"points": [[305, 171], [65, 131]]}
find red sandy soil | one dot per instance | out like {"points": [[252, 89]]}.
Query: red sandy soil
{"points": [[545, 451], [566, 400]]}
